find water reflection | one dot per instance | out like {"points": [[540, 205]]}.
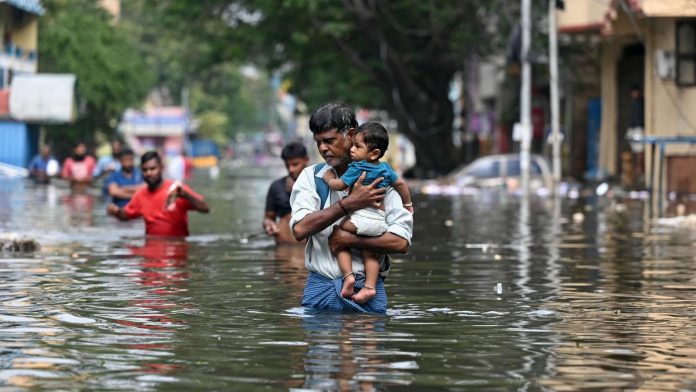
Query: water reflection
{"points": [[79, 208], [349, 353]]}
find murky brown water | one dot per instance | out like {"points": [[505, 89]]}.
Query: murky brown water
{"points": [[606, 303]]}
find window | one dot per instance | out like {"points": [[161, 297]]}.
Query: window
{"points": [[514, 168], [487, 168], [686, 53]]}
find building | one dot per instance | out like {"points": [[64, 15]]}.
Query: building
{"points": [[162, 128], [19, 26], [649, 44]]}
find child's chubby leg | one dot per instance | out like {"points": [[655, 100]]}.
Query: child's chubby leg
{"points": [[345, 262], [371, 273]]}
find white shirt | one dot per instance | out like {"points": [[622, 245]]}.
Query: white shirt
{"points": [[318, 258]]}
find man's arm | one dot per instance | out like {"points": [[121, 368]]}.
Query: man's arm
{"points": [[269, 223], [387, 243], [116, 211], [396, 239], [197, 204], [362, 196], [122, 192]]}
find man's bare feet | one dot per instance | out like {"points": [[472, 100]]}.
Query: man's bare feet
{"points": [[365, 294], [348, 286]]}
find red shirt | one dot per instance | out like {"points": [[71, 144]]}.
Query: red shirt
{"points": [[158, 220]]}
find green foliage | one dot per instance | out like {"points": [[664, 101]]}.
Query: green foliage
{"points": [[400, 56], [79, 37], [224, 101]]}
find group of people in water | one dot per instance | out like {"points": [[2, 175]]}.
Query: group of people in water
{"points": [[350, 211]]}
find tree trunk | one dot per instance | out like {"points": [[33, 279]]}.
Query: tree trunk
{"points": [[436, 153]]}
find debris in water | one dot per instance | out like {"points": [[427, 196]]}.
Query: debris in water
{"points": [[449, 223], [14, 243], [499, 288], [497, 257]]}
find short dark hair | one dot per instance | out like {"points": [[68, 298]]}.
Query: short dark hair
{"points": [[293, 150], [334, 115], [150, 155], [126, 152], [374, 135]]}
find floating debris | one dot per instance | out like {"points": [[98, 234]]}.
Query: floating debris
{"points": [[15, 243], [499, 288]]}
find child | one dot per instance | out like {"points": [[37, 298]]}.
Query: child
{"points": [[370, 142]]}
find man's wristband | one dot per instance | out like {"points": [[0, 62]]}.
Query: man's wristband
{"points": [[340, 204], [408, 204]]}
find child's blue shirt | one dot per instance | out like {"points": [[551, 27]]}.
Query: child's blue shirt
{"points": [[374, 171]]}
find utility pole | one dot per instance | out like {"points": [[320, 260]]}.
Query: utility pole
{"points": [[553, 73], [525, 94]]}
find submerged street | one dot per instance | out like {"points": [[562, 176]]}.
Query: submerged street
{"points": [[492, 295]]}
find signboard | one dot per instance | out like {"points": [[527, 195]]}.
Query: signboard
{"points": [[43, 98]]}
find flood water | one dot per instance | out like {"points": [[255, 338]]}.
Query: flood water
{"points": [[491, 296]]}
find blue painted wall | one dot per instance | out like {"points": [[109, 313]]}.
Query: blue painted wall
{"points": [[18, 142]]}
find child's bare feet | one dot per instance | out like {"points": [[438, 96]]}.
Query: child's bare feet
{"points": [[365, 294], [348, 288]]}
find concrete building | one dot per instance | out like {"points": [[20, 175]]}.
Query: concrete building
{"points": [[20, 32], [650, 44]]}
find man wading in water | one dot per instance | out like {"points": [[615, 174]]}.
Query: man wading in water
{"points": [[317, 211], [164, 204]]}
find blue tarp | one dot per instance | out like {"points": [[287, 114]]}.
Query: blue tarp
{"points": [[31, 6]]}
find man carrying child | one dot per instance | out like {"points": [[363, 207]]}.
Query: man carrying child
{"points": [[317, 212]]}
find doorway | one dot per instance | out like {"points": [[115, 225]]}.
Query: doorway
{"points": [[630, 73]]}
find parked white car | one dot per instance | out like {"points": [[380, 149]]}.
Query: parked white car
{"points": [[493, 171], [497, 170]]}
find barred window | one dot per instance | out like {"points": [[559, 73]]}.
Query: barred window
{"points": [[686, 53]]}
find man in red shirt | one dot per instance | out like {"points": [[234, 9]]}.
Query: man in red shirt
{"points": [[163, 204]]}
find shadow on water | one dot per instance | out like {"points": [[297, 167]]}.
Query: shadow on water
{"points": [[497, 293]]}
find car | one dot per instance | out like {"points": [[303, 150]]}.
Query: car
{"points": [[493, 171]]}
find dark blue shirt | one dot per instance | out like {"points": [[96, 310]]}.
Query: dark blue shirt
{"points": [[39, 163], [374, 171], [278, 198], [119, 178]]}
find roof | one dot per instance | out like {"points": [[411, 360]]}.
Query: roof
{"points": [[32, 6]]}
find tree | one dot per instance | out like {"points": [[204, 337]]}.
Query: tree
{"points": [[397, 55], [220, 96], [79, 37]]}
